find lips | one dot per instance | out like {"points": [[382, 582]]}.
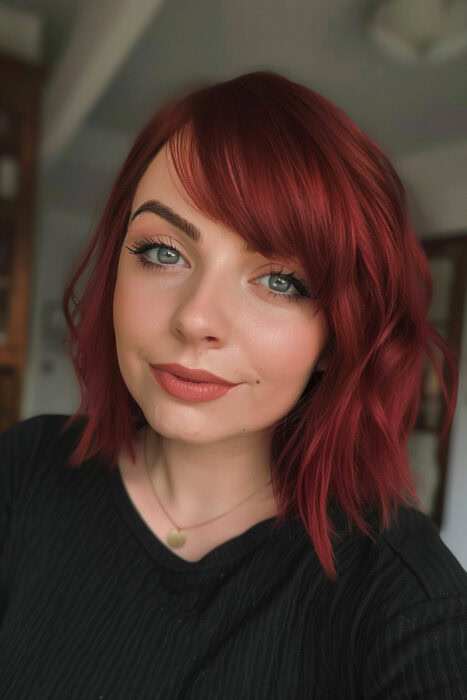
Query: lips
{"points": [[195, 375]]}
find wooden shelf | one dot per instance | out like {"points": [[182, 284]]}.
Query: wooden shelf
{"points": [[6, 283], [20, 102], [9, 210], [451, 251], [10, 359]]}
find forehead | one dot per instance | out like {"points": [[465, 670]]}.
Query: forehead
{"points": [[160, 176], [161, 192]]}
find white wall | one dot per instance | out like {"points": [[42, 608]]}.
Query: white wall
{"points": [[49, 384], [61, 234], [436, 181]]}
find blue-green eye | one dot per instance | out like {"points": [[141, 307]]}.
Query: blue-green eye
{"points": [[147, 244]]}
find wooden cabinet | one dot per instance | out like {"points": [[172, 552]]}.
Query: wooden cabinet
{"points": [[20, 98], [447, 256]]}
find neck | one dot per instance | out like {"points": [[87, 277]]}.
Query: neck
{"points": [[198, 481]]}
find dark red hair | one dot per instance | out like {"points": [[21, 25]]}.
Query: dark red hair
{"points": [[291, 173]]}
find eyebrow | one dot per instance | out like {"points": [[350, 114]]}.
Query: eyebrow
{"points": [[165, 212]]}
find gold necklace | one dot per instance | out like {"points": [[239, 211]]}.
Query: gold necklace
{"points": [[176, 537]]}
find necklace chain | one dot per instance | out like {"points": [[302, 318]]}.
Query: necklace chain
{"points": [[199, 524]]}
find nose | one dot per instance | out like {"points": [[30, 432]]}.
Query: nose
{"points": [[207, 309]]}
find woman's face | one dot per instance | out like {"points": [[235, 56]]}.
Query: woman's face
{"points": [[211, 307]]}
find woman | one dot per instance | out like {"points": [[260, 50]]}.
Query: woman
{"points": [[256, 533]]}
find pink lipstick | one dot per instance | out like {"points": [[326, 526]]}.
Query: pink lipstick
{"points": [[189, 390]]}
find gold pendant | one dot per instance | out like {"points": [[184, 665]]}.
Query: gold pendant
{"points": [[176, 538]]}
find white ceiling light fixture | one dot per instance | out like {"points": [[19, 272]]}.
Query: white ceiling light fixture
{"points": [[419, 31]]}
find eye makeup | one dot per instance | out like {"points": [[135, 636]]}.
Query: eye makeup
{"points": [[146, 244]]}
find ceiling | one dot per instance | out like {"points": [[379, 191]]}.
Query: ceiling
{"points": [[322, 44], [404, 108]]}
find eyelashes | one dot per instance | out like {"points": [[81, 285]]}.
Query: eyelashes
{"points": [[146, 244]]}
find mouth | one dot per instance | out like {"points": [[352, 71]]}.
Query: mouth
{"points": [[197, 376], [189, 389], [185, 379]]}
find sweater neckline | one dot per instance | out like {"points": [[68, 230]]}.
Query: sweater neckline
{"points": [[225, 553]]}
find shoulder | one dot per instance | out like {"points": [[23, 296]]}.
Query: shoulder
{"points": [[411, 552], [414, 607], [30, 441], [31, 433], [28, 434], [407, 572], [33, 425], [415, 549], [398, 599], [405, 564]]}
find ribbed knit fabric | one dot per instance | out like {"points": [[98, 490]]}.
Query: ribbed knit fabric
{"points": [[93, 606]]}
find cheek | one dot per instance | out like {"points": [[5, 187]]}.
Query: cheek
{"points": [[131, 312], [288, 354], [284, 359], [121, 308], [132, 325]]}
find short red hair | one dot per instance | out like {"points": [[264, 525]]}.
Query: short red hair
{"points": [[294, 176]]}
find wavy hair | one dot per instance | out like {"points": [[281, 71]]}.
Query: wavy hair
{"points": [[293, 175]]}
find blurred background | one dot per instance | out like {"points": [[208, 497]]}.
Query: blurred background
{"points": [[78, 80]]}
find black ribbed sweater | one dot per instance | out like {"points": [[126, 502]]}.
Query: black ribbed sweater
{"points": [[93, 606]]}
